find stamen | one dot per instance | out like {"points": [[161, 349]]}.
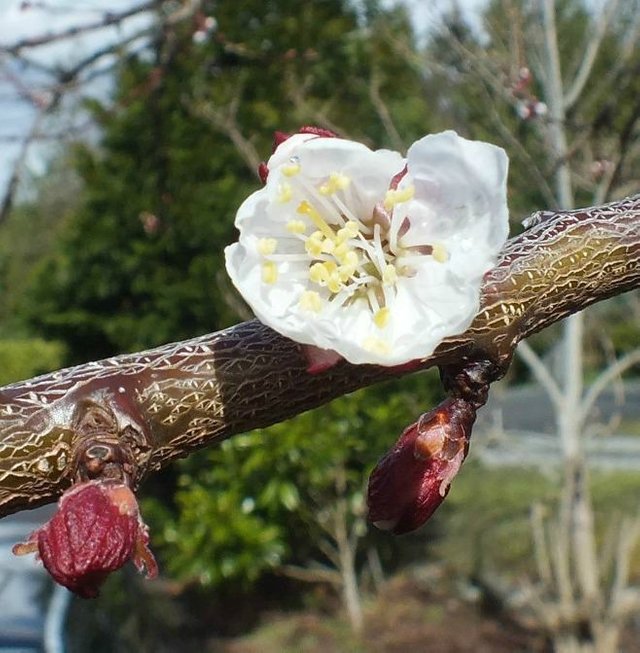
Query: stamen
{"points": [[382, 317], [389, 275], [350, 230], [373, 300], [334, 284], [440, 253], [325, 204], [292, 168], [396, 232], [336, 182], [267, 246], [311, 301], [313, 244], [269, 272], [318, 273], [306, 209], [393, 197], [346, 212], [296, 227], [285, 193], [328, 246], [377, 248]]}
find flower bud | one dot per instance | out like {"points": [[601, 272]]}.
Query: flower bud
{"points": [[412, 480], [96, 529]]}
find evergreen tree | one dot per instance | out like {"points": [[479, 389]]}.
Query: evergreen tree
{"points": [[140, 262]]}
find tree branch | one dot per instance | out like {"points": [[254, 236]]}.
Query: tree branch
{"points": [[164, 403], [541, 372], [590, 52], [109, 19], [605, 378]]}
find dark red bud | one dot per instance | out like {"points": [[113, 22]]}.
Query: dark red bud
{"points": [[96, 529], [317, 131], [280, 137], [263, 172], [412, 480]]}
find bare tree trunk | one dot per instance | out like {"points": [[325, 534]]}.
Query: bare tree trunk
{"points": [[350, 587], [346, 540], [588, 629]]}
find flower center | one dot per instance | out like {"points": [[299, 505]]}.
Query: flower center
{"points": [[351, 257]]}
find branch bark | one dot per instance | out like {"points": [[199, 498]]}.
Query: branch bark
{"points": [[164, 403]]}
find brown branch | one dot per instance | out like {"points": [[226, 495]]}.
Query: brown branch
{"points": [[108, 20], [311, 574], [383, 112], [164, 403], [65, 78], [224, 120]]}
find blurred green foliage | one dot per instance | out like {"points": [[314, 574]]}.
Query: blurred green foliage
{"points": [[22, 359], [269, 497]]}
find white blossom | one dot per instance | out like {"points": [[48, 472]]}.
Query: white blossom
{"points": [[366, 253]]}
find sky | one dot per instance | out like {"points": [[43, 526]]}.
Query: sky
{"points": [[17, 22], [20, 19]]}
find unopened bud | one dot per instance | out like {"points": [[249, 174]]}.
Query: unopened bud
{"points": [[96, 529], [412, 480]]}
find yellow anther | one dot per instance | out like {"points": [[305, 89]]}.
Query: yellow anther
{"points": [[291, 169], [296, 227], [313, 244], [336, 182], [389, 275], [346, 272], [342, 235], [346, 255], [350, 230], [376, 346], [393, 197], [310, 300], [334, 283], [328, 246], [318, 273], [341, 250], [285, 193], [382, 317], [440, 253], [267, 246], [306, 209], [313, 247], [353, 228], [269, 272]]}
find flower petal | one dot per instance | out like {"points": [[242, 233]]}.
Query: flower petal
{"points": [[344, 250]]}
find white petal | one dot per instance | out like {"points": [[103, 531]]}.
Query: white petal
{"points": [[287, 149], [460, 184]]}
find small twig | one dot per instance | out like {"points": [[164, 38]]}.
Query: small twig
{"points": [[109, 19], [311, 574], [590, 52], [605, 378], [541, 373], [383, 111], [540, 544]]}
